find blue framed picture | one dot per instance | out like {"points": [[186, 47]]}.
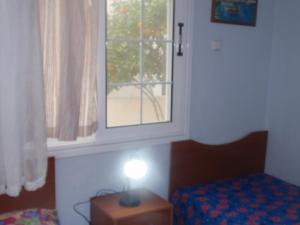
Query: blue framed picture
{"points": [[241, 12]]}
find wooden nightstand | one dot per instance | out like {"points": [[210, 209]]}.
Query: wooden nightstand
{"points": [[153, 210]]}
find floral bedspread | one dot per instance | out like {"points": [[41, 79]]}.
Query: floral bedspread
{"points": [[258, 199], [30, 217]]}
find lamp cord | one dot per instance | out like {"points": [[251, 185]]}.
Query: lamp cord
{"points": [[76, 210], [101, 192]]}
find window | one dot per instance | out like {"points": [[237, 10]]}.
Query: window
{"points": [[139, 55], [142, 84]]}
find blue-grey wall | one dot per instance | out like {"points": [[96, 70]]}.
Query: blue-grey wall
{"points": [[229, 86], [284, 94], [228, 101], [79, 178]]}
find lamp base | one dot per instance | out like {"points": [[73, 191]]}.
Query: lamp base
{"points": [[129, 200]]}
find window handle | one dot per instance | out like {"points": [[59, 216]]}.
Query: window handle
{"points": [[180, 53]]}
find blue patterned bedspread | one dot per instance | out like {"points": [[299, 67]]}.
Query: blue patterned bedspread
{"points": [[258, 199]]}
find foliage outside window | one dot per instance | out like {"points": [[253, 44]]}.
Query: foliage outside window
{"points": [[139, 56]]}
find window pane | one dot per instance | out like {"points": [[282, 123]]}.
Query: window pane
{"points": [[123, 18], [158, 19], [156, 103], [123, 62], [158, 61], [123, 105], [139, 61]]}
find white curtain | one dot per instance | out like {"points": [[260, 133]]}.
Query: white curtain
{"points": [[69, 31], [23, 155]]}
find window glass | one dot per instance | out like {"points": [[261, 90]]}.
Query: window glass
{"points": [[139, 58]]}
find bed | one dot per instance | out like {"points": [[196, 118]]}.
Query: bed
{"points": [[32, 208], [226, 184]]}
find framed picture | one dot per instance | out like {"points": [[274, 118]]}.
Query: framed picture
{"points": [[241, 12]]}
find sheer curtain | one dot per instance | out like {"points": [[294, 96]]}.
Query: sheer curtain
{"points": [[23, 154], [69, 31]]}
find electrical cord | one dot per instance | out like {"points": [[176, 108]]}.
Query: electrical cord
{"points": [[76, 205], [101, 192]]}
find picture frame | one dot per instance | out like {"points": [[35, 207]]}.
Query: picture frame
{"points": [[238, 12]]}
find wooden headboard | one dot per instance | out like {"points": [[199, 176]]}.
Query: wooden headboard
{"points": [[42, 198], [193, 162]]}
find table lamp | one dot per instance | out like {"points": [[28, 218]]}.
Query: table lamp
{"points": [[134, 169]]}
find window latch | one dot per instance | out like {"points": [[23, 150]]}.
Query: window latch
{"points": [[180, 53]]}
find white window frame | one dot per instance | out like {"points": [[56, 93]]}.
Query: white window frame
{"points": [[134, 137]]}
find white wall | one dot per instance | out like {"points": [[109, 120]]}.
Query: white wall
{"points": [[284, 94], [229, 86], [229, 97]]}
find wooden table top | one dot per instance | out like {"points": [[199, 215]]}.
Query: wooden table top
{"points": [[109, 204]]}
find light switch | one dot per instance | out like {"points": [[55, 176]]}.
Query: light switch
{"points": [[216, 45]]}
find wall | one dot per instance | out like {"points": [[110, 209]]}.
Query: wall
{"points": [[79, 178], [229, 97], [284, 94], [229, 86]]}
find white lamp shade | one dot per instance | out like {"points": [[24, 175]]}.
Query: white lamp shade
{"points": [[135, 169]]}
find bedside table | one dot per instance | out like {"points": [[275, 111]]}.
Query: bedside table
{"points": [[153, 210]]}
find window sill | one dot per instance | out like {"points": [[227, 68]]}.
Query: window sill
{"points": [[85, 147]]}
